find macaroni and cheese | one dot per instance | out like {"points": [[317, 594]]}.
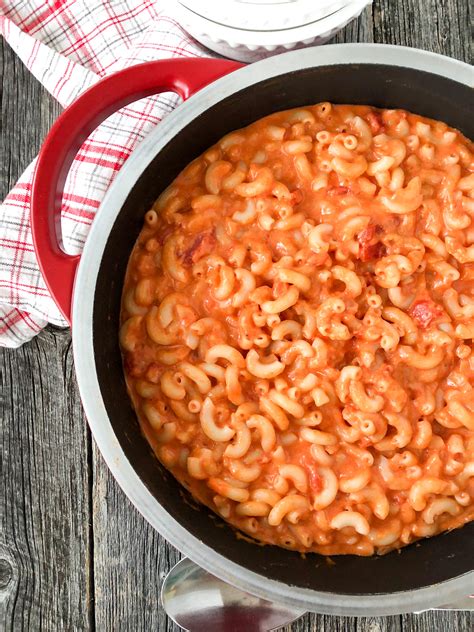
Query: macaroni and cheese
{"points": [[298, 323]]}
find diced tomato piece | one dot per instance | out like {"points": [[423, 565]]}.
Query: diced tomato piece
{"points": [[374, 119], [372, 251], [365, 236], [203, 245], [425, 312], [369, 246], [399, 498], [311, 469], [338, 191]]}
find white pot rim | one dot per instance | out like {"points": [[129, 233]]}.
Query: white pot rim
{"points": [[83, 301]]}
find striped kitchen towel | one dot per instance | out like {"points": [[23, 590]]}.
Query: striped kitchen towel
{"points": [[68, 45]]}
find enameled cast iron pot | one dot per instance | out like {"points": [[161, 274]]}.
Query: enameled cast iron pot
{"points": [[423, 575]]}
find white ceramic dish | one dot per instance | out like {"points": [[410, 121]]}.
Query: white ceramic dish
{"points": [[264, 15], [253, 45]]}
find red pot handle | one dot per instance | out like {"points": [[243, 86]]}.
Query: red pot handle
{"points": [[183, 76]]}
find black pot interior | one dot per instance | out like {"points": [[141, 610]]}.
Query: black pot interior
{"points": [[422, 564]]}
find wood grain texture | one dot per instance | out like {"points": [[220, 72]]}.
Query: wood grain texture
{"points": [[440, 26], [439, 622], [130, 561], [45, 535], [323, 623], [74, 553], [360, 30]]}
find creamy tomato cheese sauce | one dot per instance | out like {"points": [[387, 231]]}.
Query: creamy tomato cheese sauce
{"points": [[297, 327]]}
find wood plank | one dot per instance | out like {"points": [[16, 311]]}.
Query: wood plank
{"points": [[360, 30], [130, 561], [378, 624], [44, 541], [323, 623], [440, 27], [438, 621]]}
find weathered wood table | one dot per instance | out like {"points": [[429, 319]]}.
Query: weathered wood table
{"points": [[74, 553]]}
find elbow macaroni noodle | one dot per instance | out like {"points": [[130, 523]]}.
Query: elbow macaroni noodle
{"points": [[298, 323]]}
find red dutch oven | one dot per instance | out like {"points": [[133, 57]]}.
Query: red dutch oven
{"points": [[220, 96]]}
